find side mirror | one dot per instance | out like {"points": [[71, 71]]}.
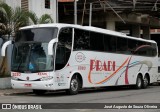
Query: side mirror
{"points": [[50, 46], [3, 50]]}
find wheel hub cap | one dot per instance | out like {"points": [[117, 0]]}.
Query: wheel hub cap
{"points": [[74, 85]]}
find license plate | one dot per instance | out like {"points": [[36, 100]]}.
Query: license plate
{"points": [[28, 85]]}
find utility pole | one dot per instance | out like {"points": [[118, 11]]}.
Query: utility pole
{"points": [[90, 15], [57, 11], [75, 11]]}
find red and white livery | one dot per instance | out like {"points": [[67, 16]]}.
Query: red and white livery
{"points": [[69, 57]]}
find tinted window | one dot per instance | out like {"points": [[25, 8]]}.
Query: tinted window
{"points": [[132, 45], [96, 41], [81, 40], [154, 49], [122, 46], [31, 57], [65, 38], [63, 48], [110, 43], [86, 40], [37, 34], [146, 49]]}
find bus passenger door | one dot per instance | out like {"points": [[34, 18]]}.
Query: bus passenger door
{"points": [[158, 80], [64, 47]]}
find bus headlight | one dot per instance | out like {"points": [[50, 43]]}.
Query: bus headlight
{"points": [[46, 78], [14, 78]]}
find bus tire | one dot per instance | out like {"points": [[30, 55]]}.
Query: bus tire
{"points": [[139, 82], [39, 92], [74, 86], [145, 82]]}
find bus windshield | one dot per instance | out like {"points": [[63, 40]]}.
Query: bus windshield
{"points": [[30, 52]]}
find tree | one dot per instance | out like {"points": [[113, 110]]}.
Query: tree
{"points": [[11, 20], [45, 18]]}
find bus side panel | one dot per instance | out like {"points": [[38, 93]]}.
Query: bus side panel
{"points": [[107, 69]]}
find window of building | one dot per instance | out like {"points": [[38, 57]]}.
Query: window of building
{"points": [[47, 4], [24, 5]]}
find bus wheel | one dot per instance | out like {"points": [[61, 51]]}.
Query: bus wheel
{"points": [[139, 82], [74, 86], [145, 82], [39, 92]]}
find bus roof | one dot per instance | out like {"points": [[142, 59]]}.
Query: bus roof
{"points": [[88, 28]]}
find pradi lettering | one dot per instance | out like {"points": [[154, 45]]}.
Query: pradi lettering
{"points": [[98, 65]]}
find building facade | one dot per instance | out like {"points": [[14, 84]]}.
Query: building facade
{"points": [[40, 7]]}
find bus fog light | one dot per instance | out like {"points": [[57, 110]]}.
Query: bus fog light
{"points": [[50, 85], [46, 78]]}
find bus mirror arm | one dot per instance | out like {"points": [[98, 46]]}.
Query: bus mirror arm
{"points": [[3, 50], [50, 46]]}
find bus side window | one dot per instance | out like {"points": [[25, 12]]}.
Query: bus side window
{"points": [[132, 45], [146, 49], [122, 45], [81, 40], [110, 43], [154, 50], [96, 41]]}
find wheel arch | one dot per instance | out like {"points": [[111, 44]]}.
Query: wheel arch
{"points": [[139, 83], [78, 74], [147, 74], [140, 74]]}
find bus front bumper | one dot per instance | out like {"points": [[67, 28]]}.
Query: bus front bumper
{"points": [[42, 85]]}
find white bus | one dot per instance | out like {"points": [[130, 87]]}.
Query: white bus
{"points": [[158, 79], [70, 57]]}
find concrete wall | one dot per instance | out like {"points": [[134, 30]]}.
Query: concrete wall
{"points": [[5, 83], [38, 6], [13, 3]]}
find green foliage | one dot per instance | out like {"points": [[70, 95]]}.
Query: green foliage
{"points": [[45, 18], [10, 22], [33, 17], [12, 19]]}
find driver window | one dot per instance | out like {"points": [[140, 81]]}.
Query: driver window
{"points": [[64, 46]]}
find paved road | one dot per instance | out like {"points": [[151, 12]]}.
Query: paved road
{"points": [[105, 95]]}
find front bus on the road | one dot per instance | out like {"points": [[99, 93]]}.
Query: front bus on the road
{"points": [[70, 57]]}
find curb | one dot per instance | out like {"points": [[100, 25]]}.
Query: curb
{"points": [[7, 92], [16, 93]]}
